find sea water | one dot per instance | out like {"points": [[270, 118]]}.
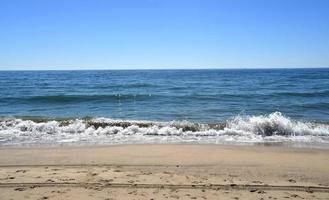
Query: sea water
{"points": [[238, 106]]}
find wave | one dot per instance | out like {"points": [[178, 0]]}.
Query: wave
{"points": [[125, 86], [272, 128], [79, 98], [324, 93], [196, 96]]}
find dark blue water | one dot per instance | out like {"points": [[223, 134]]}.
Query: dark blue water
{"points": [[165, 95]]}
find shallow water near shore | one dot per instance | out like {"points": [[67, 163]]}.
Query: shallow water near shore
{"points": [[261, 107]]}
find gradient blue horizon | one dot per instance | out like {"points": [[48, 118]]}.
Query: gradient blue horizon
{"points": [[154, 34]]}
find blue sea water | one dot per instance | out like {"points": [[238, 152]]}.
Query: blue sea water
{"points": [[194, 95], [203, 97]]}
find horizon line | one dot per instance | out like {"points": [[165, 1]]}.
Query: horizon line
{"points": [[178, 68]]}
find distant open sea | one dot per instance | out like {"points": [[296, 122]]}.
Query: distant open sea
{"points": [[240, 106]]}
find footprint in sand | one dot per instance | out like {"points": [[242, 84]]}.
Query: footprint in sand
{"points": [[133, 192], [20, 189], [106, 180], [21, 170], [295, 196], [174, 196], [54, 191], [55, 169], [259, 182]]}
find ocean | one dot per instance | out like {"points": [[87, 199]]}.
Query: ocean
{"points": [[220, 106]]}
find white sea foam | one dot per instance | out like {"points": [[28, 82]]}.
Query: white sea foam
{"points": [[273, 128]]}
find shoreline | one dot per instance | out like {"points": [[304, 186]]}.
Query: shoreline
{"points": [[234, 145], [84, 145], [165, 170]]}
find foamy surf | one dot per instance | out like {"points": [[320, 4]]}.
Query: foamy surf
{"points": [[262, 129]]}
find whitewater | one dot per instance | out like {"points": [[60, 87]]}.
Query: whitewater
{"points": [[272, 129]]}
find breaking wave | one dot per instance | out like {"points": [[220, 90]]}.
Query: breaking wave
{"points": [[262, 129]]}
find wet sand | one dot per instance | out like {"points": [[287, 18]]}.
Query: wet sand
{"points": [[164, 172]]}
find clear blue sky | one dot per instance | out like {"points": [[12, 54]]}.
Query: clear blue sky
{"points": [[123, 34]]}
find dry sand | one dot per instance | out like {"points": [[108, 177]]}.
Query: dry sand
{"points": [[164, 172]]}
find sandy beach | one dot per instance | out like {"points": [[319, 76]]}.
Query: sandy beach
{"points": [[164, 172]]}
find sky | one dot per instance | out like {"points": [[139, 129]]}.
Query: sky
{"points": [[163, 34]]}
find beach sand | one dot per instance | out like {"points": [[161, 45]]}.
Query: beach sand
{"points": [[164, 172]]}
